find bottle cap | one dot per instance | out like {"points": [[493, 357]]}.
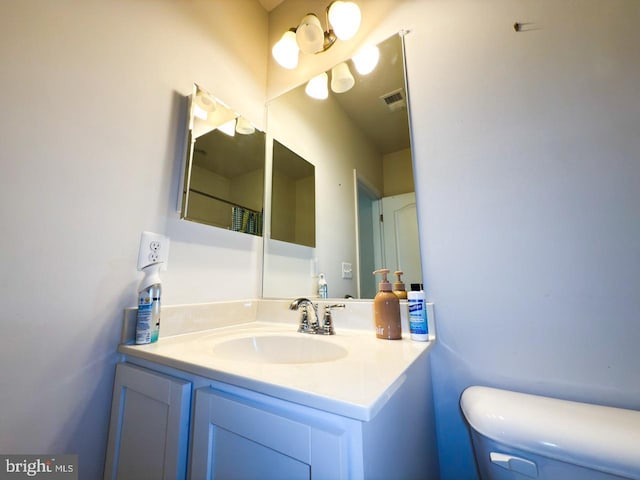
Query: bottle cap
{"points": [[416, 287], [384, 285]]}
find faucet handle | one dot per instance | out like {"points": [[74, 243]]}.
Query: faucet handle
{"points": [[327, 322]]}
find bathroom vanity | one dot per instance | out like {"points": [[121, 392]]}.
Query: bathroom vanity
{"points": [[258, 400]]}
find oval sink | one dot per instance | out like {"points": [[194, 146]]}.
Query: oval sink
{"points": [[279, 349]]}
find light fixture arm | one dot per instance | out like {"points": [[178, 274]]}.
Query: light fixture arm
{"points": [[329, 36], [342, 20]]}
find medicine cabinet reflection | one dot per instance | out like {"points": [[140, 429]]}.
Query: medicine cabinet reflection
{"points": [[293, 198], [224, 167]]}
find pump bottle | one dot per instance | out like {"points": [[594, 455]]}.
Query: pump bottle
{"points": [[386, 310], [398, 286]]}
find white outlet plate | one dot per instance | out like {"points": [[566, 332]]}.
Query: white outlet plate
{"points": [[154, 248], [347, 270]]}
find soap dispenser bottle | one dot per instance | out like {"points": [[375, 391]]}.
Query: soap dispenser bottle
{"points": [[386, 310], [398, 286]]}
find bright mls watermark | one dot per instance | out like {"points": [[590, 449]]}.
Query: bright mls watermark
{"points": [[50, 467]]}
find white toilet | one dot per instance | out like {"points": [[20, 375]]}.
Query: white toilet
{"points": [[521, 436]]}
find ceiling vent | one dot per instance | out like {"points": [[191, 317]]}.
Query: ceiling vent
{"points": [[395, 100]]}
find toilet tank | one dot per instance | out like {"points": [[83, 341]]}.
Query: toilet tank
{"points": [[520, 436]]}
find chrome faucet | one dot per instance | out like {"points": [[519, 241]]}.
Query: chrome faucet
{"points": [[309, 322], [308, 315]]}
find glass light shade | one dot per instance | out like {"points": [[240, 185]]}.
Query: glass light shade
{"points": [[286, 51], [244, 127], [205, 102], [341, 78], [345, 19], [309, 34], [229, 128], [366, 59], [317, 87]]}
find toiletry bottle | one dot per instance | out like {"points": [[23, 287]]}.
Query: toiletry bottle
{"points": [[386, 310], [398, 287], [148, 320], [418, 314], [323, 289]]}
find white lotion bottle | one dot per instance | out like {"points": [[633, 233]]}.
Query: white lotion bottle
{"points": [[418, 325]]}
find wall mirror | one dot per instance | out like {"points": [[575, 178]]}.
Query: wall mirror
{"points": [[223, 175], [293, 198], [359, 143]]}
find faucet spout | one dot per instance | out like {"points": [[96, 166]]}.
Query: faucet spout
{"points": [[308, 315]]}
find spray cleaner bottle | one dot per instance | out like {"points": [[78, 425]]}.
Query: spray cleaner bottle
{"points": [[150, 289]]}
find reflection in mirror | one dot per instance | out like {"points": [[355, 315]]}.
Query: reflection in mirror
{"points": [[359, 142], [293, 198], [224, 167]]}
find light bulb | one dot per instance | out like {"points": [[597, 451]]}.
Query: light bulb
{"points": [[309, 34], [341, 78], [244, 127], [286, 51], [317, 87], [366, 59], [345, 19]]}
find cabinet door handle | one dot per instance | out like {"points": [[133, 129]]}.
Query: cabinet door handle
{"points": [[515, 464]]}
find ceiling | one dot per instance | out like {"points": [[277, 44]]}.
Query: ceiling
{"points": [[269, 5], [387, 129]]}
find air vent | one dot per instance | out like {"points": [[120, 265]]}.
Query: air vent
{"points": [[395, 100]]}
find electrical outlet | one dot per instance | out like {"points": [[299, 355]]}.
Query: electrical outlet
{"points": [[347, 270], [154, 248]]}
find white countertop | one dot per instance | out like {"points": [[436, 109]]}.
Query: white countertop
{"points": [[357, 385]]}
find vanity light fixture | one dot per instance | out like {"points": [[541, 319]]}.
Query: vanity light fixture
{"points": [[341, 78], [204, 105], [244, 127], [343, 21], [366, 59], [317, 87]]}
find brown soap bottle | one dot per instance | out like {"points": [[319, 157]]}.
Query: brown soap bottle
{"points": [[398, 286], [386, 310]]}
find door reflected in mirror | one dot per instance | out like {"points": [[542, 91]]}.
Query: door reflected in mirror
{"points": [[293, 198], [359, 142], [224, 167]]}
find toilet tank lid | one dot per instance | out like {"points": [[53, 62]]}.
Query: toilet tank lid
{"points": [[597, 437]]}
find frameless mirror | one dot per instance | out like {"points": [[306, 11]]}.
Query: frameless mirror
{"points": [[293, 198], [224, 167], [359, 143]]}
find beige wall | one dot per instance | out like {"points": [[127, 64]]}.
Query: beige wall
{"points": [[525, 148], [397, 171], [91, 95]]}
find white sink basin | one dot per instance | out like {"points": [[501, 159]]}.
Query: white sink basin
{"points": [[279, 349]]}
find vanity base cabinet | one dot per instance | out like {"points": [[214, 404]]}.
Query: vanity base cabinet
{"points": [[243, 434], [149, 427]]}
